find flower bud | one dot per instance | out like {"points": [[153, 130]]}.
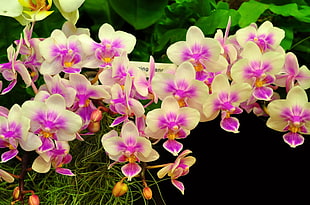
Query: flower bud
{"points": [[34, 200], [16, 193], [96, 115], [93, 127], [147, 193], [119, 189]]}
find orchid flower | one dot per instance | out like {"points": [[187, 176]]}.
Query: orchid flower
{"points": [[292, 75], [258, 70], [122, 103], [55, 158], [84, 93], [6, 176], [203, 53], [29, 50], [14, 131], [225, 98], [10, 70], [62, 54], [118, 73], [228, 50], [129, 147], [179, 168], [266, 36], [291, 114], [112, 44], [171, 122], [51, 121], [182, 86], [58, 85]]}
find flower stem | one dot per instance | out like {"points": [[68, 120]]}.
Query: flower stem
{"points": [[157, 166]]}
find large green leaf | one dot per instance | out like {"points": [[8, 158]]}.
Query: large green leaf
{"points": [[218, 19], [139, 13], [250, 12]]}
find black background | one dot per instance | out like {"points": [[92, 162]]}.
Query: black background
{"points": [[254, 166]]}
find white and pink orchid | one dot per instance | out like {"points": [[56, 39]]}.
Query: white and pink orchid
{"points": [[179, 168], [129, 147], [182, 85], [203, 53], [226, 98], [291, 114], [51, 121], [266, 36], [14, 131], [171, 122], [292, 74], [257, 69], [112, 44]]}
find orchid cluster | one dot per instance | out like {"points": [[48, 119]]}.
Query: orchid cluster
{"points": [[220, 76]]}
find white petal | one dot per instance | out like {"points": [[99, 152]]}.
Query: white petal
{"points": [[40, 165], [10, 8], [70, 5]]}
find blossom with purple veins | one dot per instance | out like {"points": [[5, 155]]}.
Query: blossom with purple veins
{"points": [[57, 85], [123, 104], [226, 98], [266, 36], [112, 44], [56, 158], [51, 121], [182, 85], [14, 131], [118, 73], [63, 54], [171, 122], [179, 168], [258, 69], [129, 147], [203, 53], [292, 74], [85, 92], [10, 70], [291, 115]]}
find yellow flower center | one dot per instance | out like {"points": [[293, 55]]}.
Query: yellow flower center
{"points": [[131, 159], [259, 83], [107, 59], [46, 134], [68, 64]]}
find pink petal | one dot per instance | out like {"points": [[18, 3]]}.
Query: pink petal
{"points": [[119, 120], [293, 139], [130, 170], [179, 185], [173, 146], [6, 156], [230, 124], [64, 171], [263, 93]]}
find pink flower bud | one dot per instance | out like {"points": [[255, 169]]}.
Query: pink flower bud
{"points": [[93, 127], [16, 193], [96, 115], [119, 189], [34, 200], [147, 193]]}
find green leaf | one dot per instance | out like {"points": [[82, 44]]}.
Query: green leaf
{"points": [[250, 12], [139, 13], [302, 14], [171, 36], [288, 40], [217, 19]]}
